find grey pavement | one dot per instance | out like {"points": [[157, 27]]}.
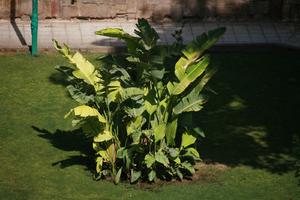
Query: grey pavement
{"points": [[79, 34]]}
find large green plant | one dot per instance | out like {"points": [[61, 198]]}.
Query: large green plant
{"points": [[136, 106]]}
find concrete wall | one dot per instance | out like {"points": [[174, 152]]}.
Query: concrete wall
{"points": [[155, 9]]}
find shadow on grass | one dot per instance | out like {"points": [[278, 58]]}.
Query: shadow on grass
{"points": [[70, 141], [58, 78], [253, 120]]}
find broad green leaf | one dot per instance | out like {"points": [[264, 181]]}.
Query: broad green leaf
{"points": [[103, 154], [135, 112], [192, 151], [135, 175], [112, 153], [159, 74], [79, 95], [91, 126], [148, 35], [203, 42], [96, 146], [105, 136], [132, 42], [99, 163], [136, 136], [149, 160], [135, 125], [159, 132], [116, 33], [188, 166], [203, 81], [64, 50], [162, 158], [130, 92], [192, 73], [150, 108], [177, 160], [171, 86], [190, 103], [187, 140], [118, 176], [114, 89], [84, 69], [181, 66], [179, 174], [173, 152], [171, 132], [151, 175], [121, 152], [196, 131], [195, 49], [87, 111]]}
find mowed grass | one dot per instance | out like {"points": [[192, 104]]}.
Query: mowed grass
{"points": [[251, 125]]}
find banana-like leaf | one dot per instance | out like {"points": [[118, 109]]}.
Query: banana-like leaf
{"points": [[203, 42], [79, 95], [132, 42], [130, 92], [149, 160], [135, 175], [99, 163], [207, 76], [171, 132], [135, 125], [151, 175], [162, 158], [179, 174], [104, 136], [84, 69], [190, 103], [192, 73], [187, 140], [118, 176], [148, 34], [159, 132], [86, 111], [116, 33], [192, 152], [196, 48], [63, 50], [188, 166]]}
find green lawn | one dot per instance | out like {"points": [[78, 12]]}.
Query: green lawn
{"points": [[251, 125]]}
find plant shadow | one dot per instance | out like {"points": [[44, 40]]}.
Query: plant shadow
{"points": [[73, 140], [252, 120]]}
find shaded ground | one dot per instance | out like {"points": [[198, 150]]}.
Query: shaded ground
{"points": [[253, 120], [251, 126]]}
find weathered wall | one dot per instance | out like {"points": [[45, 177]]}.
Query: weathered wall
{"points": [[155, 9]]}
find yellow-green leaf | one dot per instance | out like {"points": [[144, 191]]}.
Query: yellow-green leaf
{"points": [[105, 136], [159, 132], [194, 71], [87, 111], [187, 140], [171, 132], [162, 158], [99, 163], [149, 160]]}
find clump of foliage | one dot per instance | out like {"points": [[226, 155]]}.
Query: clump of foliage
{"points": [[136, 106]]}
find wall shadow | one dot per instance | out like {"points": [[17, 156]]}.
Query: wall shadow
{"points": [[73, 140], [14, 24]]}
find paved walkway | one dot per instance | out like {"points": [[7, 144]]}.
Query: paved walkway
{"points": [[80, 34]]}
